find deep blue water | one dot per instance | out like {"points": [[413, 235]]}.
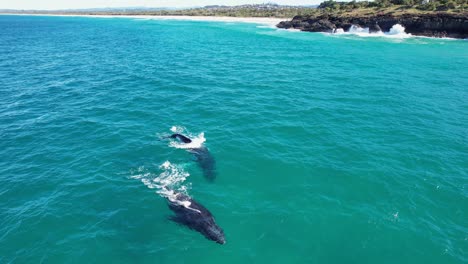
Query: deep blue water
{"points": [[328, 149]]}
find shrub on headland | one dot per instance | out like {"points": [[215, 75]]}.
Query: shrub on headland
{"points": [[331, 5], [274, 10]]}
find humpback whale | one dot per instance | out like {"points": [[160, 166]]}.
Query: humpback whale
{"points": [[195, 216], [203, 157], [181, 138]]}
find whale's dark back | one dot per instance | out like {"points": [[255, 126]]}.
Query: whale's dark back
{"points": [[206, 162], [196, 217], [203, 157], [181, 138]]}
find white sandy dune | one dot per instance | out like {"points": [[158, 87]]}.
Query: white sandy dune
{"points": [[256, 20]]}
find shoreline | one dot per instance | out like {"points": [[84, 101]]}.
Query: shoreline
{"points": [[270, 21], [436, 25], [265, 21]]}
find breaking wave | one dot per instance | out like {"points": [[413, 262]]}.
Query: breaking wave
{"points": [[359, 30], [397, 31]]}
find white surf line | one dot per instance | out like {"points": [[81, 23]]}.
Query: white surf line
{"points": [[252, 20]]}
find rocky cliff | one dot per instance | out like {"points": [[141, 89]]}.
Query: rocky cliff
{"points": [[431, 25]]}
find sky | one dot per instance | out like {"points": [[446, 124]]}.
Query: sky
{"points": [[61, 4]]}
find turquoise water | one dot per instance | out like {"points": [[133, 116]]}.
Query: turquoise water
{"points": [[329, 149]]}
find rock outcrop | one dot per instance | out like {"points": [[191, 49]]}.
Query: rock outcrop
{"points": [[374, 28], [431, 25]]}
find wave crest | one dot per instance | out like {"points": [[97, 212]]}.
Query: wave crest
{"points": [[397, 31]]}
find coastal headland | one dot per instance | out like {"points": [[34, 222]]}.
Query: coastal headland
{"points": [[430, 18], [373, 17]]}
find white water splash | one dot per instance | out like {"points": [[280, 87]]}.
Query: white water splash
{"points": [[397, 31], [176, 129], [197, 140], [358, 30], [169, 183], [339, 31]]}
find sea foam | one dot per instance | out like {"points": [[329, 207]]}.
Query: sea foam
{"points": [[170, 182], [197, 140], [397, 31]]}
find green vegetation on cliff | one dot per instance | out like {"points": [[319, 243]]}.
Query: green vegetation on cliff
{"points": [[265, 10], [393, 7], [353, 8], [260, 10], [432, 18]]}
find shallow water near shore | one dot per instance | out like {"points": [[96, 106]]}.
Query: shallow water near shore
{"points": [[328, 149]]}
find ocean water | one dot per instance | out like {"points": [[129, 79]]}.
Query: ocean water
{"points": [[328, 148]]}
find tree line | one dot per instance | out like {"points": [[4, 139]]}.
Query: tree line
{"points": [[429, 5]]}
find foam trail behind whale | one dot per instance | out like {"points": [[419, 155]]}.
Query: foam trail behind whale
{"points": [[195, 145], [169, 183]]}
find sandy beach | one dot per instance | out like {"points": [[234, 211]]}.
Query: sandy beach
{"points": [[256, 20]]}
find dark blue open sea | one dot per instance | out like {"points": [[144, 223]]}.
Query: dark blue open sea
{"points": [[327, 148]]}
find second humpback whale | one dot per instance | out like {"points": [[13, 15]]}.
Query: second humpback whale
{"points": [[195, 216], [181, 138], [203, 157]]}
